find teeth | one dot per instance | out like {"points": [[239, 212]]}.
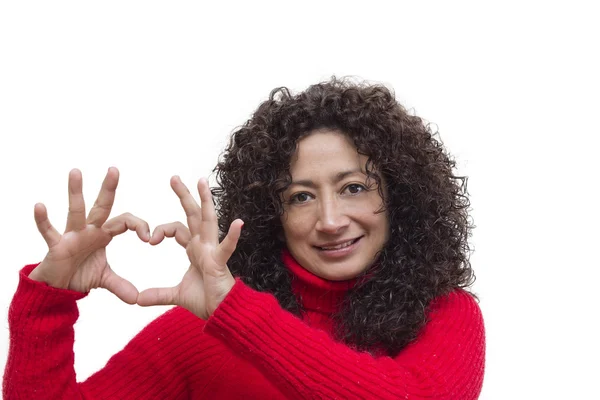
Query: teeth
{"points": [[339, 246]]}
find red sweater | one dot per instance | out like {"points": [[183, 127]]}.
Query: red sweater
{"points": [[250, 348]]}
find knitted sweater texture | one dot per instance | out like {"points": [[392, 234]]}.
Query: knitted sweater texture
{"points": [[250, 348]]}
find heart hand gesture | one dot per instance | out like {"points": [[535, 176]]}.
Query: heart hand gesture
{"points": [[208, 279]]}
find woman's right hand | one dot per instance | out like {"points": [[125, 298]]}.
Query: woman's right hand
{"points": [[76, 260]]}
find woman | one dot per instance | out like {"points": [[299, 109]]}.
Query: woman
{"points": [[347, 280]]}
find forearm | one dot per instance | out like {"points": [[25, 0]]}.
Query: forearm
{"points": [[40, 357], [40, 363]]}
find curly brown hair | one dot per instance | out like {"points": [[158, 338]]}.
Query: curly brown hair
{"points": [[427, 254]]}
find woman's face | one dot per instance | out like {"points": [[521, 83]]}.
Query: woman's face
{"points": [[330, 222]]}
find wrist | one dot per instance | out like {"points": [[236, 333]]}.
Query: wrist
{"points": [[39, 274], [227, 285]]}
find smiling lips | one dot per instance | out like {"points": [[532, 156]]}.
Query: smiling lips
{"points": [[338, 245]]}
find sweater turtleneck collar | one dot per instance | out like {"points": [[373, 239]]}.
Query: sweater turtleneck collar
{"points": [[313, 292]]}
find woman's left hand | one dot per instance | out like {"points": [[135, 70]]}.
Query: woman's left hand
{"points": [[208, 279]]}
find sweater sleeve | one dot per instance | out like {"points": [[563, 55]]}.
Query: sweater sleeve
{"points": [[40, 361], [446, 361]]}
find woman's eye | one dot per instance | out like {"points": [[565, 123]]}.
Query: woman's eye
{"points": [[300, 198], [354, 188]]}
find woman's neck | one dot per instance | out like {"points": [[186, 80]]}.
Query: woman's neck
{"points": [[313, 292]]}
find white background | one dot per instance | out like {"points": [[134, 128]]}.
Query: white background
{"points": [[155, 88]]}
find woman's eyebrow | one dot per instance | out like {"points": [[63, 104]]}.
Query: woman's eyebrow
{"points": [[338, 177]]}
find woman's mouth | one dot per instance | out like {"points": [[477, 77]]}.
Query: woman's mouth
{"points": [[339, 249]]}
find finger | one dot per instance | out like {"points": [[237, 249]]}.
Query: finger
{"points": [[189, 204], [157, 297], [106, 198], [174, 229], [228, 245], [76, 215], [50, 235], [210, 227], [128, 222], [120, 287]]}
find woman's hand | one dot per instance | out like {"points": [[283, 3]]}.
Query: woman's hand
{"points": [[76, 260], [208, 279]]}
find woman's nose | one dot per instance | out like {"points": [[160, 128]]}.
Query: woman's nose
{"points": [[332, 218]]}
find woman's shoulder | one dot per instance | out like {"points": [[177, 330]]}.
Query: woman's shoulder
{"points": [[458, 304], [453, 328]]}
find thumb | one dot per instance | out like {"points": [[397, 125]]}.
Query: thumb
{"points": [[120, 287], [228, 245], [157, 297]]}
